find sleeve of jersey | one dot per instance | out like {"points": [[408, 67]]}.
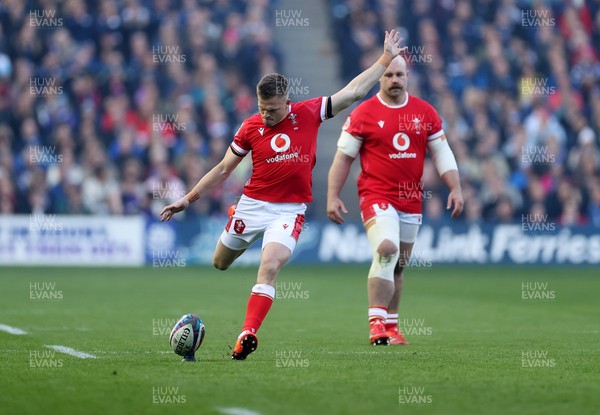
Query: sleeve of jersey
{"points": [[441, 154], [320, 108], [350, 140], [240, 146], [435, 122]]}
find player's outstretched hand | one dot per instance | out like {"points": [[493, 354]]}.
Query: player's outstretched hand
{"points": [[455, 198], [392, 43], [173, 208], [333, 210]]}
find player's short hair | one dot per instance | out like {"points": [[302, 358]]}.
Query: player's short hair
{"points": [[272, 85]]}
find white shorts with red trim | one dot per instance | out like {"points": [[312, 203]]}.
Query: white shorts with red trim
{"points": [[408, 225], [275, 222]]}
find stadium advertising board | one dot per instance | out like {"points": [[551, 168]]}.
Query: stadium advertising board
{"points": [[324, 242], [71, 240], [135, 241], [473, 244]]}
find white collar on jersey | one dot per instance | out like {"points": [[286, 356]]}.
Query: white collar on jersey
{"points": [[392, 106]]}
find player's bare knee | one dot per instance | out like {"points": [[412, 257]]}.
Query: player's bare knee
{"points": [[219, 264], [270, 267], [387, 249]]}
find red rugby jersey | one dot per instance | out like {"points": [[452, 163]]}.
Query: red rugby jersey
{"points": [[284, 155], [394, 144]]}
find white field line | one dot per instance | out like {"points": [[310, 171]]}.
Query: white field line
{"points": [[71, 352], [363, 351], [133, 352], [68, 350], [237, 411], [55, 329], [12, 330]]}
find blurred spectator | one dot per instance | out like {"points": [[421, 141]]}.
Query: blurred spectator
{"points": [[101, 192], [503, 210]]}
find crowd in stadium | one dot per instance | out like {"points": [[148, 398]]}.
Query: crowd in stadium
{"points": [[117, 107], [519, 93]]}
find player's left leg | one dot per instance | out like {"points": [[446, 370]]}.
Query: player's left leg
{"points": [[391, 323], [274, 257], [409, 228], [279, 242]]}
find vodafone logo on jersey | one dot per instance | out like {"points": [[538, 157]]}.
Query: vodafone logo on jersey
{"points": [[280, 142], [401, 142]]}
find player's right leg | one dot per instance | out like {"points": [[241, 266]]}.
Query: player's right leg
{"points": [[383, 233], [243, 229], [224, 256]]}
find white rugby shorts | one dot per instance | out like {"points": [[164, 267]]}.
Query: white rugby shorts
{"points": [[409, 223], [275, 222]]}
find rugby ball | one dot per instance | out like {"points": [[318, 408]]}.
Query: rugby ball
{"points": [[187, 335]]}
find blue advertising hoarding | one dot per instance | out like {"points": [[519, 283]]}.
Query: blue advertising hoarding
{"points": [[138, 241], [325, 242]]}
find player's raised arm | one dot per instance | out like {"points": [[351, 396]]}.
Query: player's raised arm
{"points": [[362, 84], [212, 179]]}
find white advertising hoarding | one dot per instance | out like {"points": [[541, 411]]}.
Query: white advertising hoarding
{"points": [[71, 240]]}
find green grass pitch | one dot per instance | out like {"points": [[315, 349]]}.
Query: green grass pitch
{"points": [[477, 347]]}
